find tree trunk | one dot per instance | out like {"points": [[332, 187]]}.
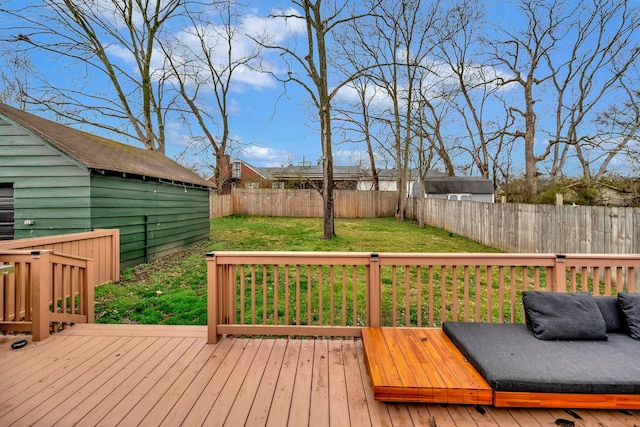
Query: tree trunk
{"points": [[531, 172], [327, 174]]}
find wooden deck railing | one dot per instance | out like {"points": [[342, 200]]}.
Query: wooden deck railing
{"points": [[45, 288], [335, 294], [102, 246]]}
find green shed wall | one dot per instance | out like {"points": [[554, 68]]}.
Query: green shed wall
{"points": [[50, 188], [154, 218]]}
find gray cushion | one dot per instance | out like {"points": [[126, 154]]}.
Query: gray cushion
{"points": [[611, 313], [509, 358], [563, 316], [630, 306]]}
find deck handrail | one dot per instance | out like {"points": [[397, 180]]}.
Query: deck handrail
{"points": [[46, 287], [337, 293]]}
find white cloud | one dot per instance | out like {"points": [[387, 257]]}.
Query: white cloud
{"points": [[264, 156]]}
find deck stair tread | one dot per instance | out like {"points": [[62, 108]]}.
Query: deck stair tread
{"points": [[421, 365]]}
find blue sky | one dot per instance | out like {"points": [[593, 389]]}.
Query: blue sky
{"points": [[271, 127]]}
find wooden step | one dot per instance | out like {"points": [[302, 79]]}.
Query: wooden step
{"points": [[421, 365]]}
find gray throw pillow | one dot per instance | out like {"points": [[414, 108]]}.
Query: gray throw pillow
{"points": [[630, 305], [563, 316], [611, 313]]}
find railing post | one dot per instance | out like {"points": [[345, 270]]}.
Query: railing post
{"points": [[559, 274], [374, 293], [212, 299], [40, 289], [89, 283]]}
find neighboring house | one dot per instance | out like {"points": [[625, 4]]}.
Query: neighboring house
{"points": [[476, 189], [244, 175], [388, 179], [58, 180]]}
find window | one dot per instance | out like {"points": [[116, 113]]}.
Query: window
{"points": [[252, 185], [277, 185], [464, 196]]}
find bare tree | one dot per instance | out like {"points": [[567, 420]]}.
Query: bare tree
{"points": [[472, 90], [622, 127], [15, 73], [203, 59], [603, 44], [96, 35], [523, 54], [398, 40], [357, 122], [320, 20]]}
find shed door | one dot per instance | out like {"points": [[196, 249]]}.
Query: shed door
{"points": [[6, 211]]}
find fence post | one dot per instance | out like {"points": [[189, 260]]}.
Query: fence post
{"points": [[212, 299], [89, 299], [559, 274], [374, 292], [40, 289]]}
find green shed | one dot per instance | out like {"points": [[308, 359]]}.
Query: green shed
{"points": [[58, 180]]}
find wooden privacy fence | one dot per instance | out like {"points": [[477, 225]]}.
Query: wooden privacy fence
{"points": [[335, 294], [304, 203], [536, 228], [45, 287], [102, 246]]}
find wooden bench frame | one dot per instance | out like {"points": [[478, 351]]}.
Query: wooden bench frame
{"points": [[423, 365]]}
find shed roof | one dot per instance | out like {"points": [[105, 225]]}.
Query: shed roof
{"points": [[455, 184], [102, 154]]}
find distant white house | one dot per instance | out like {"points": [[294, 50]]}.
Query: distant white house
{"points": [[388, 179], [476, 189]]}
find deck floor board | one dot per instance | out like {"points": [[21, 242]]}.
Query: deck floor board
{"points": [[148, 375]]}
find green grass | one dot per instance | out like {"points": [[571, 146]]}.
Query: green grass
{"points": [[173, 290]]}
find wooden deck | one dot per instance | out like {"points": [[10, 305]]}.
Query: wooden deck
{"points": [[421, 365], [131, 375]]}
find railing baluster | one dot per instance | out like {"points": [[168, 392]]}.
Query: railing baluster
{"points": [[320, 300], [394, 300], [309, 318], [466, 293], [264, 294], [298, 296], [332, 296], [431, 310], [286, 294], [242, 297], [355, 295], [407, 296], [344, 295], [585, 279], [253, 294], [454, 293], [275, 294], [596, 281], [478, 306], [443, 293], [419, 295], [607, 281], [489, 295], [501, 294], [513, 294]]}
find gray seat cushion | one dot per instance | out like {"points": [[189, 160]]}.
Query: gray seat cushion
{"points": [[510, 358]]}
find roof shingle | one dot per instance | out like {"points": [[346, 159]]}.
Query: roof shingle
{"points": [[102, 154]]}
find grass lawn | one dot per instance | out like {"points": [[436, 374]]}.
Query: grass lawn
{"points": [[173, 290]]}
